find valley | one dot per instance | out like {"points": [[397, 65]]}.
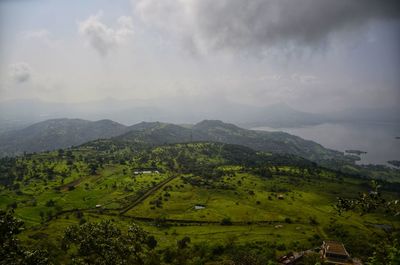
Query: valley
{"points": [[285, 202], [200, 132]]}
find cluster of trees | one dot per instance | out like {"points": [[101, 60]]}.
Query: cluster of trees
{"points": [[104, 243], [368, 202], [387, 245], [11, 250], [7, 171]]}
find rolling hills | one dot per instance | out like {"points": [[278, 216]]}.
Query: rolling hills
{"points": [[55, 134], [61, 133], [279, 202], [218, 131]]}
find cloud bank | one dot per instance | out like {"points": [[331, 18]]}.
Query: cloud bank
{"points": [[102, 37], [260, 24], [20, 72]]}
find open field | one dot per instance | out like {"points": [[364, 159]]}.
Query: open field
{"points": [[289, 206]]}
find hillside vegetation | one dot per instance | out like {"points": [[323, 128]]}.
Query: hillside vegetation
{"points": [[199, 192], [217, 131], [62, 133]]}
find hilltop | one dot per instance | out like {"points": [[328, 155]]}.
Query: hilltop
{"points": [[217, 131], [56, 133], [61, 133]]}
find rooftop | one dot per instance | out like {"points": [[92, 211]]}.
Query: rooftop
{"points": [[335, 247]]}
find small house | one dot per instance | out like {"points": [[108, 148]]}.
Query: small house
{"points": [[139, 172], [333, 252]]}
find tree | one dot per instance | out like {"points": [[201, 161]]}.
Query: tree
{"points": [[93, 169], [104, 243], [50, 203], [183, 243], [11, 252], [368, 202], [388, 251], [60, 152], [226, 221], [151, 242]]}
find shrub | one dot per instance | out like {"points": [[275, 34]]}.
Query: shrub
{"points": [[281, 247], [226, 221], [313, 220], [50, 203], [288, 220]]}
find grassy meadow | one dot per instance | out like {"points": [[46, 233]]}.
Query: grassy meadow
{"points": [[290, 206]]}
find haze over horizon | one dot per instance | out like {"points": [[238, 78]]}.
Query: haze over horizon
{"points": [[311, 56], [213, 132]]}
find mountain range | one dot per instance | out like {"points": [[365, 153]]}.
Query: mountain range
{"points": [[16, 114], [61, 133], [56, 133]]}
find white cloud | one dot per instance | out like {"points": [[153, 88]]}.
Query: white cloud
{"points": [[20, 72], [304, 79], [125, 22], [102, 37]]}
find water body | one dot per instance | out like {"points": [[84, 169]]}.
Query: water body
{"points": [[377, 139]]}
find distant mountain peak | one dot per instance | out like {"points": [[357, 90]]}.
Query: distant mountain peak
{"points": [[209, 124], [145, 125], [57, 133]]}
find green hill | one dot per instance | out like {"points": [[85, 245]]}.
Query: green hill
{"points": [[218, 131], [57, 133], [61, 133]]}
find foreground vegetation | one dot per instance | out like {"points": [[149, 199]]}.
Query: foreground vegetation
{"points": [[191, 203]]}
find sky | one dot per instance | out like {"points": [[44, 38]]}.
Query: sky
{"points": [[314, 55]]}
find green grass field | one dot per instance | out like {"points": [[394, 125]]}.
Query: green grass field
{"points": [[292, 207]]}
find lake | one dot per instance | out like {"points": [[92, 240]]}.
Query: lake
{"points": [[377, 139]]}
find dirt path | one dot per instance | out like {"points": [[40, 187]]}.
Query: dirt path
{"points": [[71, 184], [146, 195]]}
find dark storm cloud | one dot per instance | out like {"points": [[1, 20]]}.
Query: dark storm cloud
{"points": [[259, 24]]}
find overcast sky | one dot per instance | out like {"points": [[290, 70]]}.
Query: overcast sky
{"points": [[315, 55]]}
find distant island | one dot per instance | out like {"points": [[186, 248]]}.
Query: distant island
{"points": [[357, 152], [395, 163], [353, 157], [398, 137]]}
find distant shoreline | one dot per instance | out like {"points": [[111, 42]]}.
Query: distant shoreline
{"points": [[357, 152], [377, 140]]}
